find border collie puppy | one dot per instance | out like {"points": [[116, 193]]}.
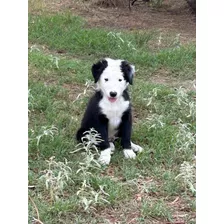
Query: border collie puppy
{"points": [[109, 109]]}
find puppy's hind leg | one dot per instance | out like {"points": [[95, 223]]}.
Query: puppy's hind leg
{"points": [[136, 148], [129, 154]]}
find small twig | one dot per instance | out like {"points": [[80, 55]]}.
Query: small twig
{"points": [[173, 202], [38, 220]]}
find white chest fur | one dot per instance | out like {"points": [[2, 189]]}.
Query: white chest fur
{"points": [[113, 112]]}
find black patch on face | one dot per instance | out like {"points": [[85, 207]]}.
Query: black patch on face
{"points": [[98, 68], [127, 71], [126, 95]]}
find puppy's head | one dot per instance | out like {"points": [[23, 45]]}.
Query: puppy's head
{"points": [[112, 77]]}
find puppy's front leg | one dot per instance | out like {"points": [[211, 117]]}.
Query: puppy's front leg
{"points": [[125, 132], [105, 156], [105, 146]]}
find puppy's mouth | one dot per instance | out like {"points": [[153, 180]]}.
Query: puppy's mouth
{"points": [[112, 99]]}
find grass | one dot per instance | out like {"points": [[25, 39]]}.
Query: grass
{"points": [[68, 33], [71, 187]]}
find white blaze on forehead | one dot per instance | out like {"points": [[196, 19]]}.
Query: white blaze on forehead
{"points": [[112, 62], [114, 67]]}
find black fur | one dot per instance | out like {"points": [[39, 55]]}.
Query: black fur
{"points": [[125, 129], [128, 72], [97, 69], [94, 118]]}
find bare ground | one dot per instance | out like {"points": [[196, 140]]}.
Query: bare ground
{"points": [[173, 16]]}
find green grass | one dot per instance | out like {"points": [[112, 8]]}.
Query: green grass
{"points": [[158, 209], [164, 124], [68, 33]]}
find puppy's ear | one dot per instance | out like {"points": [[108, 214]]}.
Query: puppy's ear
{"points": [[128, 71], [98, 68]]}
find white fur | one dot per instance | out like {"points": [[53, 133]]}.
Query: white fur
{"points": [[129, 154], [113, 73], [114, 82], [136, 148], [105, 156], [113, 112]]}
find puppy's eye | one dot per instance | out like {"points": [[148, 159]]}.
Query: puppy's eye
{"points": [[106, 80], [119, 80]]}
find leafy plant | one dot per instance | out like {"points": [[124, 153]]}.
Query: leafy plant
{"points": [[89, 196], [152, 96], [47, 131], [30, 101], [184, 101], [188, 175], [56, 177], [186, 140], [155, 121], [54, 60]]}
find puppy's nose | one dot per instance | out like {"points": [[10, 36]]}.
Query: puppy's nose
{"points": [[113, 94]]}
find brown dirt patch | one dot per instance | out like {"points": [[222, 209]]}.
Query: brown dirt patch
{"points": [[163, 77], [131, 211], [173, 16], [165, 19], [74, 90]]}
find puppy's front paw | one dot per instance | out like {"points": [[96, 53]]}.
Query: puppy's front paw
{"points": [[136, 148], [105, 157], [129, 154]]}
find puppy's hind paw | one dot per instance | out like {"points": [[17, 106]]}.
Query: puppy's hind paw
{"points": [[129, 154], [136, 148]]}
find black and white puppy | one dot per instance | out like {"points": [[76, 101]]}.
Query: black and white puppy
{"points": [[109, 109]]}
